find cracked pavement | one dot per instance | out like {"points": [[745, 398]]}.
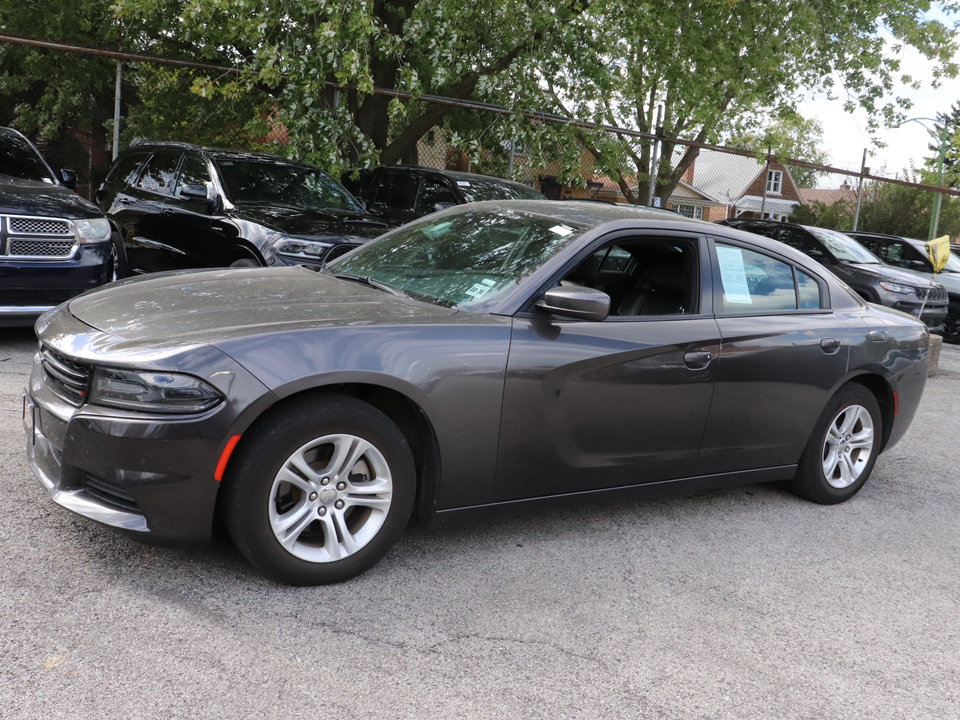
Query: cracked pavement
{"points": [[740, 603]]}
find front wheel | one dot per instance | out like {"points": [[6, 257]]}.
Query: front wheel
{"points": [[320, 492], [951, 328], [843, 449]]}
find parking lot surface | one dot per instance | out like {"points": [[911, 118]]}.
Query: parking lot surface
{"points": [[740, 603]]}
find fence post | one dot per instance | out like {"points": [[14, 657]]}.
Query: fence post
{"points": [[766, 181], [863, 171], [654, 160], [116, 111]]}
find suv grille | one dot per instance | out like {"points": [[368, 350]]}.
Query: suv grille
{"points": [[67, 378], [40, 248], [936, 293], [23, 297], [37, 226]]}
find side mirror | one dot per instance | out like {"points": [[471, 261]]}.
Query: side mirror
{"points": [[817, 255], [68, 178], [194, 192], [918, 265], [581, 303], [437, 207]]}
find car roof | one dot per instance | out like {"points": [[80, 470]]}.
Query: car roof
{"points": [[591, 214]]}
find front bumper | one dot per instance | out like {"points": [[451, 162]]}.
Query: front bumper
{"points": [[147, 475], [934, 313], [29, 287]]}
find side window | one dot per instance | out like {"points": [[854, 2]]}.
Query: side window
{"points": [[643, 277], [808, 292], [797, 239], [751, 282], [160, 174], [397, 191], [125, 171], [193, 172], [432, 193]]}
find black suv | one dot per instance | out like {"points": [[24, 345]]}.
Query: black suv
{"points": [[53, 243], [184, 206], [403, 193], [862, 270]]}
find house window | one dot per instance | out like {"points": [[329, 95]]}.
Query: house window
{"points": [[774, 181], [690, 211]]}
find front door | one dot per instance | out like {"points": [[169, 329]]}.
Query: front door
{"points": [[590, 405]]}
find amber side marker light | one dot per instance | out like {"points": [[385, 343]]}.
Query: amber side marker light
{"points": [[225, 457]]}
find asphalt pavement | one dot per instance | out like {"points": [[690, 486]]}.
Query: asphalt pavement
{"points": [[741, 603]]}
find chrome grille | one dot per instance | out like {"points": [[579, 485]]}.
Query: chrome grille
{"points": [[41, 248], [38, 226], [67, 378]]}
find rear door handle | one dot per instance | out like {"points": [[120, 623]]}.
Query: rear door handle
{"points": [[168, 211], [697, 360], [830, 345], [877, 335]]}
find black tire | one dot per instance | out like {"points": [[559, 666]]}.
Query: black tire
{"points": [[120, 267], [951, 328], [852, 463], [329, 510], [244, 262]]}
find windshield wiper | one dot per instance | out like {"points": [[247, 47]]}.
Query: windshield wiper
{"points": [[372, 282]]}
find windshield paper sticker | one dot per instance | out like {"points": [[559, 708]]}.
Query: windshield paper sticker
{"points": [[481, 288], [561, 230], [733, 275], [463, 183]]}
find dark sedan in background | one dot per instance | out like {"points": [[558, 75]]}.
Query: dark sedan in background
{"points": [[182, 206], [901, 289], [491, 358], [403, 193], [53, 243]]}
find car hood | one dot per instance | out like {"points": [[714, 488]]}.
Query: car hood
{"points": [[307, 223], [210, 305], [887, 272], [30, 197]]}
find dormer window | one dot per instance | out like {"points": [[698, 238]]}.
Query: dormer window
{"points": [[774, 182]]}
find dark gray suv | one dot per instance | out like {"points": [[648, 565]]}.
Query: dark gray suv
{"points": [[863, 271]]}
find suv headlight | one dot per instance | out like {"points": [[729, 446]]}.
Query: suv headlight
{"points": [[295, 248], [149, 391], [93, 230], [897, 288]]}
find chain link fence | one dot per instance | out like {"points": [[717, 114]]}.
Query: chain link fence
{"points": [[164, 100]]}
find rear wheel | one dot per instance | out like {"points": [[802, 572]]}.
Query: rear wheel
{"points": [[320, 492], [120, 269], [843, 449]]}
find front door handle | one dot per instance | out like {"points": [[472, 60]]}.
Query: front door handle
{"points": [[830, 345], [697, 360], [168, 211]]}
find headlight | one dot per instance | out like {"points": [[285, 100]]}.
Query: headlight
{"points": [[894, 287], [306, 249], [92, 231], [147, 391]]}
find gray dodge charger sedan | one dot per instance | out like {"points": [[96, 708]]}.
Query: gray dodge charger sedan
{"points": [[490, 358]]}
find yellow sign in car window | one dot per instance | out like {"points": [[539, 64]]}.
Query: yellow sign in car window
{"points": [[938, 250]]}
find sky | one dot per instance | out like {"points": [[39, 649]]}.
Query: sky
{"points": [[845, 135]]}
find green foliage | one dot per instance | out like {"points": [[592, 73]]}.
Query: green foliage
{"points": [[905, 211], [838, 216], [790, 135]]}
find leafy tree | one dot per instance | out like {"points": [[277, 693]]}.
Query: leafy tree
{"points": [[838, 216], [713, 60], [905, 211], [789, 136], [951, 158]]}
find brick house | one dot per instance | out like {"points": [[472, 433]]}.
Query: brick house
{"points": [[719, 185]]}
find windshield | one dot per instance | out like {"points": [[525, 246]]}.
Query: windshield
{"points": [[478, 190], [18, 159], [843, 247], [279, 183], [462, 259]]}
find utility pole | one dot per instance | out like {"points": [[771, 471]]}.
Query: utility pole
{"points": [[116, 111], [863, 171], [654, 160]]}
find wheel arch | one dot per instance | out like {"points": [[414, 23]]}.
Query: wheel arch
{"points": [[881, 389], [241, 251], [403, 411]]}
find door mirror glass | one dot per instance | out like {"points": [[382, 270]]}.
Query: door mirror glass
{"points": [[194, 192], [69, 178], [582, 303]]}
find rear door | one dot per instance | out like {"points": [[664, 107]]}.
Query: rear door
{"points": [[782, 351], [590, 405], [148, 247], [187, 223]]}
